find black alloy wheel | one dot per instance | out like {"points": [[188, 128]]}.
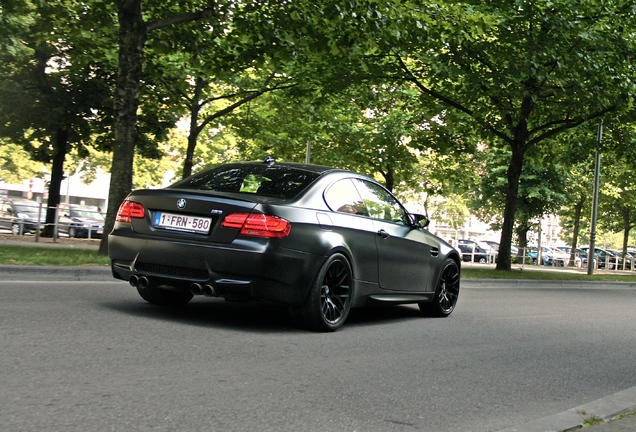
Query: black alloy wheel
{"points": [[329, 300], [446, 293]]}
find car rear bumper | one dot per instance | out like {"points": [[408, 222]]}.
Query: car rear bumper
{"points": [[241, 271]]}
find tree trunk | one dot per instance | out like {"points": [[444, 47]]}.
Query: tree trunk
{"points": [[522, 235], [578, 209], [60, 148], [510, 209], [627, 215], [193, 135], [132, 37]]}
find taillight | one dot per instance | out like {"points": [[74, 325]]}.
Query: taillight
{"points": [[258, 225], [129, 210]]}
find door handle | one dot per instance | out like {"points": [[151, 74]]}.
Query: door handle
{"points": [[383, 234]]}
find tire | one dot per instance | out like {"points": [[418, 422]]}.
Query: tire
{"points": [[482, 260], [329, 300], [446, 292], [15, 229], [72, 232], [162, 297]]}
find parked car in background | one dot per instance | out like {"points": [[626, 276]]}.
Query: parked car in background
{"points": [[603, 258], [578, 261], [533, 253], [317, 239], [21, 216], [493, 245], [517, 255], [80, 221], [474, 252], [557, 257], [627, 260]]}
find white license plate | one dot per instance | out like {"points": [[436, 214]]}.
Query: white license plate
{"points": [[178, 222]]}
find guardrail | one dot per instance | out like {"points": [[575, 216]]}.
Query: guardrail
{"points": [[525, 256]]}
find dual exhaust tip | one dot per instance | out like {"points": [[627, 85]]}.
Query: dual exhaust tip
{"points": [[139, 281], [142, 282], [206, 290]]}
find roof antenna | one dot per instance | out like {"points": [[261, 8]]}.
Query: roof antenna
{"points": [[269, 160]]}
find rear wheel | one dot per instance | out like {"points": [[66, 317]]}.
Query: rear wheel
{"points": [[329, 300], [446, 293], [164, 297], [15, 229]]}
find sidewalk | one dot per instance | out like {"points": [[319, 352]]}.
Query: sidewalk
{"points": [[47, 242]]}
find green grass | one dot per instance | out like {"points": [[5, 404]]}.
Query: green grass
{"points": [[558, 274], [43, 256]]}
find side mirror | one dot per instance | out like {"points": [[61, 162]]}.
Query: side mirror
{"points": [[420, 220]]}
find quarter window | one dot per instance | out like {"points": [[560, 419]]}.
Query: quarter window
{"points": [[380, 203], [343, 197]]}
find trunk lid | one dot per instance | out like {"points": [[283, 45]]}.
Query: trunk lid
{"points": [[191, 215]]}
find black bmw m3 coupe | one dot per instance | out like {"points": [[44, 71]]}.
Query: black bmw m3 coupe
{"points": [[318, 239]]}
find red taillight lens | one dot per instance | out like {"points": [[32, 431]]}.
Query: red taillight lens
{"points": [[129, 210], [258, 225], [234, 220]]}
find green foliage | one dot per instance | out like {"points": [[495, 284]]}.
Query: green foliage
{"points": [[494, 101], [541, 186], [16, 165]]}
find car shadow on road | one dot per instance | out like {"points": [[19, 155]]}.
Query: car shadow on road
{"points": [[258, 316]]}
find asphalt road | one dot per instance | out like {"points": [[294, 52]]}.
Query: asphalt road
{"points": [[92, 356]]}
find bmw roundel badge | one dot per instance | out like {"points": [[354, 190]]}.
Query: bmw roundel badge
{"points": [[181, 203]]}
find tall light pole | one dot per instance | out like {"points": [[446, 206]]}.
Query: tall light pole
{"points": [[597, 175]]}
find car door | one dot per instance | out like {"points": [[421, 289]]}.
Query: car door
{"points": [[405, 252], [351, 221]]}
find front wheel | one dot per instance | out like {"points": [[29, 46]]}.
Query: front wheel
{"points": [[446, 293], [329, 300], [15, 229], [72, 232]]}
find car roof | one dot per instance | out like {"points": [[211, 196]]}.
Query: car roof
{"points": [[319, 169]]}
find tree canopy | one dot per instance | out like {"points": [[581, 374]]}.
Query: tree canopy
{"points": [[413, 94]]}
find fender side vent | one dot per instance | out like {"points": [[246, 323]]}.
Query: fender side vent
{"points": [[434, 252]]}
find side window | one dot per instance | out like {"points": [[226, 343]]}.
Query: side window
{"points": [[380, 203], [343, 197]]}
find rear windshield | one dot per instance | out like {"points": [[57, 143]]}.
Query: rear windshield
{"points": [[264, 180]]}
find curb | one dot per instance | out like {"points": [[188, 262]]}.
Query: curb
{"points": [[545, 284], [46, 273], [605, 408]]}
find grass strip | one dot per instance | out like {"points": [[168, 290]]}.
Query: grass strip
{"points": [[45, 256], [557, 274]]}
